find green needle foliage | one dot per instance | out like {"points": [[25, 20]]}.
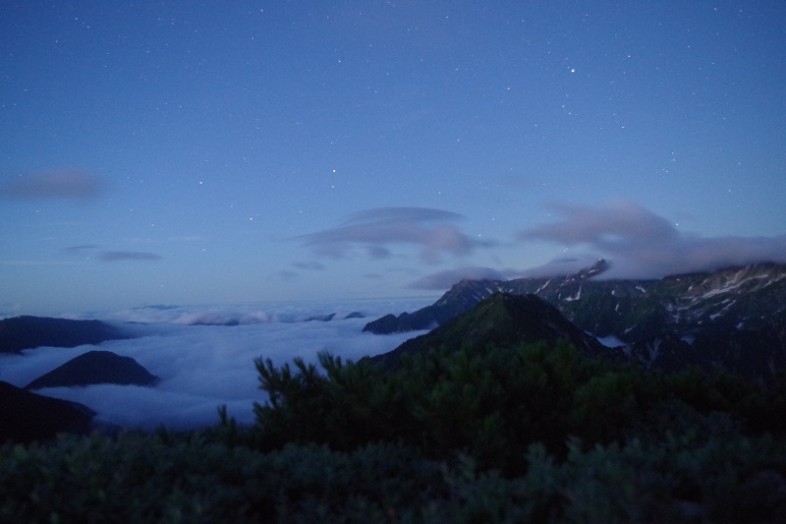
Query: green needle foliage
{"points": [[529, 433], [493, 403]]}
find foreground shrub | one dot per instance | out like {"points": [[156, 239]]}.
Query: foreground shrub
{"points": [[192, 478], [490, 403], [526, 434], [682, 479], [150, 478]]}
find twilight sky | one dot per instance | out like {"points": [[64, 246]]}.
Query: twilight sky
{"points": [[193, 152]]}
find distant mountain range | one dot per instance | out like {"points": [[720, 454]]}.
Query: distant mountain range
{"points": [[26, 332], [733, 319]]}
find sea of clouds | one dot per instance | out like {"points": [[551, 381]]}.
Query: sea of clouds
{"points": [[203, 363]]}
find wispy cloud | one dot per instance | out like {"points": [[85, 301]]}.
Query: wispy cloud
{"points": [[313, 266], [34, 263], [641, 243], [140, 256], [95, 251], [63, 184], [561, 266], [84, 248], [373, 232], [445, 279]]}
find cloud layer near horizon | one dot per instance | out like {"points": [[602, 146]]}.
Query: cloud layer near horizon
{"points": [[640, 243], [372, 233], [201, 367]]}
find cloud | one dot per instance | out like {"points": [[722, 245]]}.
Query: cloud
{"points": [[111, 256], [371, 233], [561, 266], [141, 256], [53, 184], [618, 224], [78, 250], [202, 367], [444, 279], [34, 263], [385, 214], [314, 266], [643, 244]]}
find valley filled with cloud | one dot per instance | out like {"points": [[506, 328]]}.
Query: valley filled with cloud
{"points": [[202, 363]]}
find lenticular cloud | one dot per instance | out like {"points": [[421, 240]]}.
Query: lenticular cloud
{"points": [[372, 232]]}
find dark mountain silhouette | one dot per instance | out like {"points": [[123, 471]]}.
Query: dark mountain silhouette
{"points": [[500, 320], [733, 319], [335, 316], [28, 417], [96, 367], [26, 332]]}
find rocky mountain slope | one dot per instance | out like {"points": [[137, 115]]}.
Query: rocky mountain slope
{"points": [[733, 318]]}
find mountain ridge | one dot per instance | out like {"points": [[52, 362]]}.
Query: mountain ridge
{"points": [[732, 319], [499, 320], [26, 332]]}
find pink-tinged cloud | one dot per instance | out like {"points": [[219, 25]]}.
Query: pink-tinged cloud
{"points": [[640, 243], [53, 185], [373, 233]]}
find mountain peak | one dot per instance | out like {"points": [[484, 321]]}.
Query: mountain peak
{"points": [[600, 266], [501, 320], [466, 293], [733, 318]]}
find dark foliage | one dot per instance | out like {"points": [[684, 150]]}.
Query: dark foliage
{"points": [[26, 417], [530, 433], [493, 403]]}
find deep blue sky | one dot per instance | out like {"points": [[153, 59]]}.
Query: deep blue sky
{"points": [[199, 152]]}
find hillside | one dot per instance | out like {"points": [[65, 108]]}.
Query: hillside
{"points": [[29, 417], [501, 320], [27, 332], [733, 318]]}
